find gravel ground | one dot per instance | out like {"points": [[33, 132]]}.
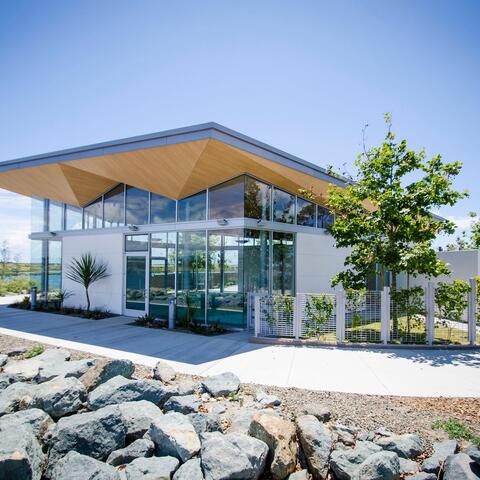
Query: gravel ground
{"points": [[367, 412]]}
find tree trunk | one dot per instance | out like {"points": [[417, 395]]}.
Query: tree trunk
{"points": [[88, 299], [393, 287]]}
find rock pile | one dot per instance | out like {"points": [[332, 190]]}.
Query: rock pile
{"points": [[91, 420]]}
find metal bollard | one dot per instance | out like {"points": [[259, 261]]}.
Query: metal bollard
{"points": [[171, 312], [33, 298]]}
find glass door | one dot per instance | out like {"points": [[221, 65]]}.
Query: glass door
{"points": [[136, 284]]}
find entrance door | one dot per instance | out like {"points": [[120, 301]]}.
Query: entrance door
{"points": [[136, 284]]}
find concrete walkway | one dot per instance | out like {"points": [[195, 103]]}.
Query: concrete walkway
{"points": [[367, 371]]}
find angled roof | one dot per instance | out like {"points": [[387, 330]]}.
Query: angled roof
{"points": [[175, 163]]}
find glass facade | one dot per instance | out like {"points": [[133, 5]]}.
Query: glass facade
{"points": [[283, 206], [162, 209], [136, 206], [257, 199], [54, 266], [73, 218], [46, 266], [37, 215], [114, 207], [227, 200], [325, 218], [305, 213], [55, 216], [93, 214], [192, 208], [283, 263]]}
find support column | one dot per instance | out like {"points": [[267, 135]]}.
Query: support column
{"points": [[430, 315], [472, 312], [340, 315], [256, 304], [385, 315]]}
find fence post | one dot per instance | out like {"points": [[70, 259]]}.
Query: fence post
{"points": [[297, 316], [430, 308], [385, 315], [257, 314], [472, 310], [340, 315]]}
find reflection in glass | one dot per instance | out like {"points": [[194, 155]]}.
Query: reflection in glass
{"points": [[226, 200], [283, 206], [113, 207], [37, 215], [162, 209], [191, 277], [37, 264], [54, 266], [192, 208], [162, 272], [55, 216], [93, 214], [256, 253], [225, 278], [73, 217], [136, 206], [136, 243], [135, 283], [257, 199], [305, 213], [283, 263], [325, 218]]}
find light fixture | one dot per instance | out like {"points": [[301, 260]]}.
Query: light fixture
{"points": [[53, 234], [133, 228], [224, 221]]}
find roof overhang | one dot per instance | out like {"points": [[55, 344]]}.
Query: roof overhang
{"points": [[174, 163]]}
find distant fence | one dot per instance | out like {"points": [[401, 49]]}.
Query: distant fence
{"points": [[405, 317]]}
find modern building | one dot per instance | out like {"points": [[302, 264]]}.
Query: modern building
{"points": [[202, 213]]}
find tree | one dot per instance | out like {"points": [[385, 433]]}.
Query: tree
{"points": [[384, 216], [86, 270], [468, 241], [5, 255]]}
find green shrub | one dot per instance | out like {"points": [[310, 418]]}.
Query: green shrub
{"points": [[34, 351], [456, 430], [452, 299], [318, 311]]}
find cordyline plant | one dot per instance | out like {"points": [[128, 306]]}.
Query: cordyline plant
{"points": [[86, 270], [384, 216]]}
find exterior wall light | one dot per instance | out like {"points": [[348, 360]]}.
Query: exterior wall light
{"points": [[224, 221], [133, 228]]}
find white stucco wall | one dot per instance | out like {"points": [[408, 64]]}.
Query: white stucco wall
{"points": [[317, 261], [106, 293]]}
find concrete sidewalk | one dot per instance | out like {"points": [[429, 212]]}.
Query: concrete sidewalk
{"points": [[368, 371]]}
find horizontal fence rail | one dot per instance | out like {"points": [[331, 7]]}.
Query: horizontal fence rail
{"points": [[415, 316]]}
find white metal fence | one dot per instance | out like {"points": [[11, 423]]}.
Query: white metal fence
{"points": [[415, 316]]}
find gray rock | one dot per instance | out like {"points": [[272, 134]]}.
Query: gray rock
{"points": [[21, 456], [174, 435], [422, 476], [383, 432], [152, 468], [460, 467], [138, 418], [473, 452], [3, 359], [163, 372], [301, 475], [5, 381], [280, 436], [27, 370], [206, 422], [183, 404], [138, 449], [379, 466], [408, 466], [345, 434], [223, 458], [441, 450], [344, 462], [316, 441], [96, 434], [17, 395], [34, 419], [64, 369], [242, 420], [406, 446], [188, 388], [14, 351], [74, 466], [190, 470], [104, 370], [59, 397], [120, 389], [321, 412], [267, 400], [366, 436], [222, 385]]}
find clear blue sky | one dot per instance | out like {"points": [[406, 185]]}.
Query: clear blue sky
{"points": [[304, 76]]}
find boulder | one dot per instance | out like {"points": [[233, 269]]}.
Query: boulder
{"points": [[189, 388], [138, 417], [441, 450], [190, 470], [3, 359], [280, 436], [14, 396], [406, 446], [345, 434], [27, 370], [34, 419], [138, 449], [242, 420], [96, 434], [236, 457], [182, 404], [344, 462], [174, 435], [21, 456], [319, 411], [120, 389], [153, 468], [63, 369], [460, 466], [15, 351], [74, 466], [222, 385], [104, 370], [5, 381], [379, 466], [408, 466], [316, 441], [473, 452], [206, 422], [300, 475], [163, 372], [266, 400], [422, 476]]}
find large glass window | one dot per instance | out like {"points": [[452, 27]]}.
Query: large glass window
{"points": [[325, 218], [283, 206], [55, 216], [305, 213], [162, 209], [37, 264], [136, 207], [256, 254], [113, 207], [192, 208], [73, 217], [162, 272], [257, 199], [54, 266], [227, 200], [191, 277], [225, 278], [37, 215], [93, 214], [283, 263], [136, 243]]}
